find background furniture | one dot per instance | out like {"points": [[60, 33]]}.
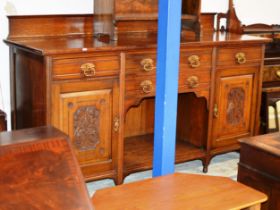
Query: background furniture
{"points": [[270, 97], [259, 166], [39, 171], [3, 121], [101, 91], [179, 191]]}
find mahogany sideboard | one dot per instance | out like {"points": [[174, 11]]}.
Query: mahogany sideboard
{"points": [[259, 166], [3, 121], [101, 91], [39, 171]]}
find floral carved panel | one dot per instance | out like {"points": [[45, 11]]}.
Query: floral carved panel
{"points": [[86, 127], [235, 106]]}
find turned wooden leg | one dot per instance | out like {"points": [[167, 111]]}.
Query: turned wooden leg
{"points": [[205, 163]]}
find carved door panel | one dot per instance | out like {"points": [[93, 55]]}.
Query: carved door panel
{"points": [[87, 120], [89, 113], [233, 107]]}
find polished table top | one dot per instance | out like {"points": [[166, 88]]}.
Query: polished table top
{"points": [[179, 191]]}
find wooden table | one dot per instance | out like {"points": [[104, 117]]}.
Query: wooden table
{"points": [[180, 191], [259, 166], [39, 171]]}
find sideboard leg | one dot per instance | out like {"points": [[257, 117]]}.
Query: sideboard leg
{"points": [[205, 163]]}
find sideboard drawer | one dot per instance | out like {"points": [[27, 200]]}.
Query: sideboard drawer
{"points": [[194, 80], [196, 59], [239, 56], [141, 64], [140, 86], [90, 67]]}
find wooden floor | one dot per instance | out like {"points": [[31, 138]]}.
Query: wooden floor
{"points": [[138, 155]]}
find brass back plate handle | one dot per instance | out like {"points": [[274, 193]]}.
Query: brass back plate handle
{"points": [[147, 86], [194, 61], [147, 64], [88, 69], [192, 82], [240, 58]]}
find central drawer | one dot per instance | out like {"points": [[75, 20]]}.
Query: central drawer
{"points": [[141, 64], [140, 71], [194, 74], [195, 69]]}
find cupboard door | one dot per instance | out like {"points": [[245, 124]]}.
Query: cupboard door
{"points": [[89, 113], [233, 107], [86, 118]]}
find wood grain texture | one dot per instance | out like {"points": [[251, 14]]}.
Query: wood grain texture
{"points": [[262, 172], [39, 169], [117, 78], [28, 26], [180, 191]]}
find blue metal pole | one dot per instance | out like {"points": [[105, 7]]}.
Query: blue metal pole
{"points": [[169, 27]]}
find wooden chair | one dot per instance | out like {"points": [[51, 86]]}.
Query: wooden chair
{"points": [[3, 122]]}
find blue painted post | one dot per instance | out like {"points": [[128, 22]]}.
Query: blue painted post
{"points": [[169, 27]]}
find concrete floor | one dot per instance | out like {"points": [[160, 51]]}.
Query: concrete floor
{"points": [[221, 165]]}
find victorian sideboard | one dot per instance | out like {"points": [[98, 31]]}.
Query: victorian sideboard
{"points": [[100, 90]]}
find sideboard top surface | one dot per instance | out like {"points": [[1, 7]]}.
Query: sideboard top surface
{"points": [[60, 34], [132, 41]]}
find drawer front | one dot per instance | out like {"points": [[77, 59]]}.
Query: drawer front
{"points": [[239, 56], [141, 64], [271, 73], [193, 80], [91, 67], [195, 59], [140, 86]]}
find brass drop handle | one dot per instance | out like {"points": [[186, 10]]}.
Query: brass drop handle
{"points": [[278, 74], [88, 69], [194, 61], [147, 86], [147, 64], [216, 111], [192, 82], [240, 58], [116, 124]]}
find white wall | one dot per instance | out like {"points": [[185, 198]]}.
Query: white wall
{"points": [[247, 13], [258, 11], [20, 7]]}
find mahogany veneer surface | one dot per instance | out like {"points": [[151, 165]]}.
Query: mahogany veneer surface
{"points": [[259, 166], [39, 171], [72, 44], [180, 192]]}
